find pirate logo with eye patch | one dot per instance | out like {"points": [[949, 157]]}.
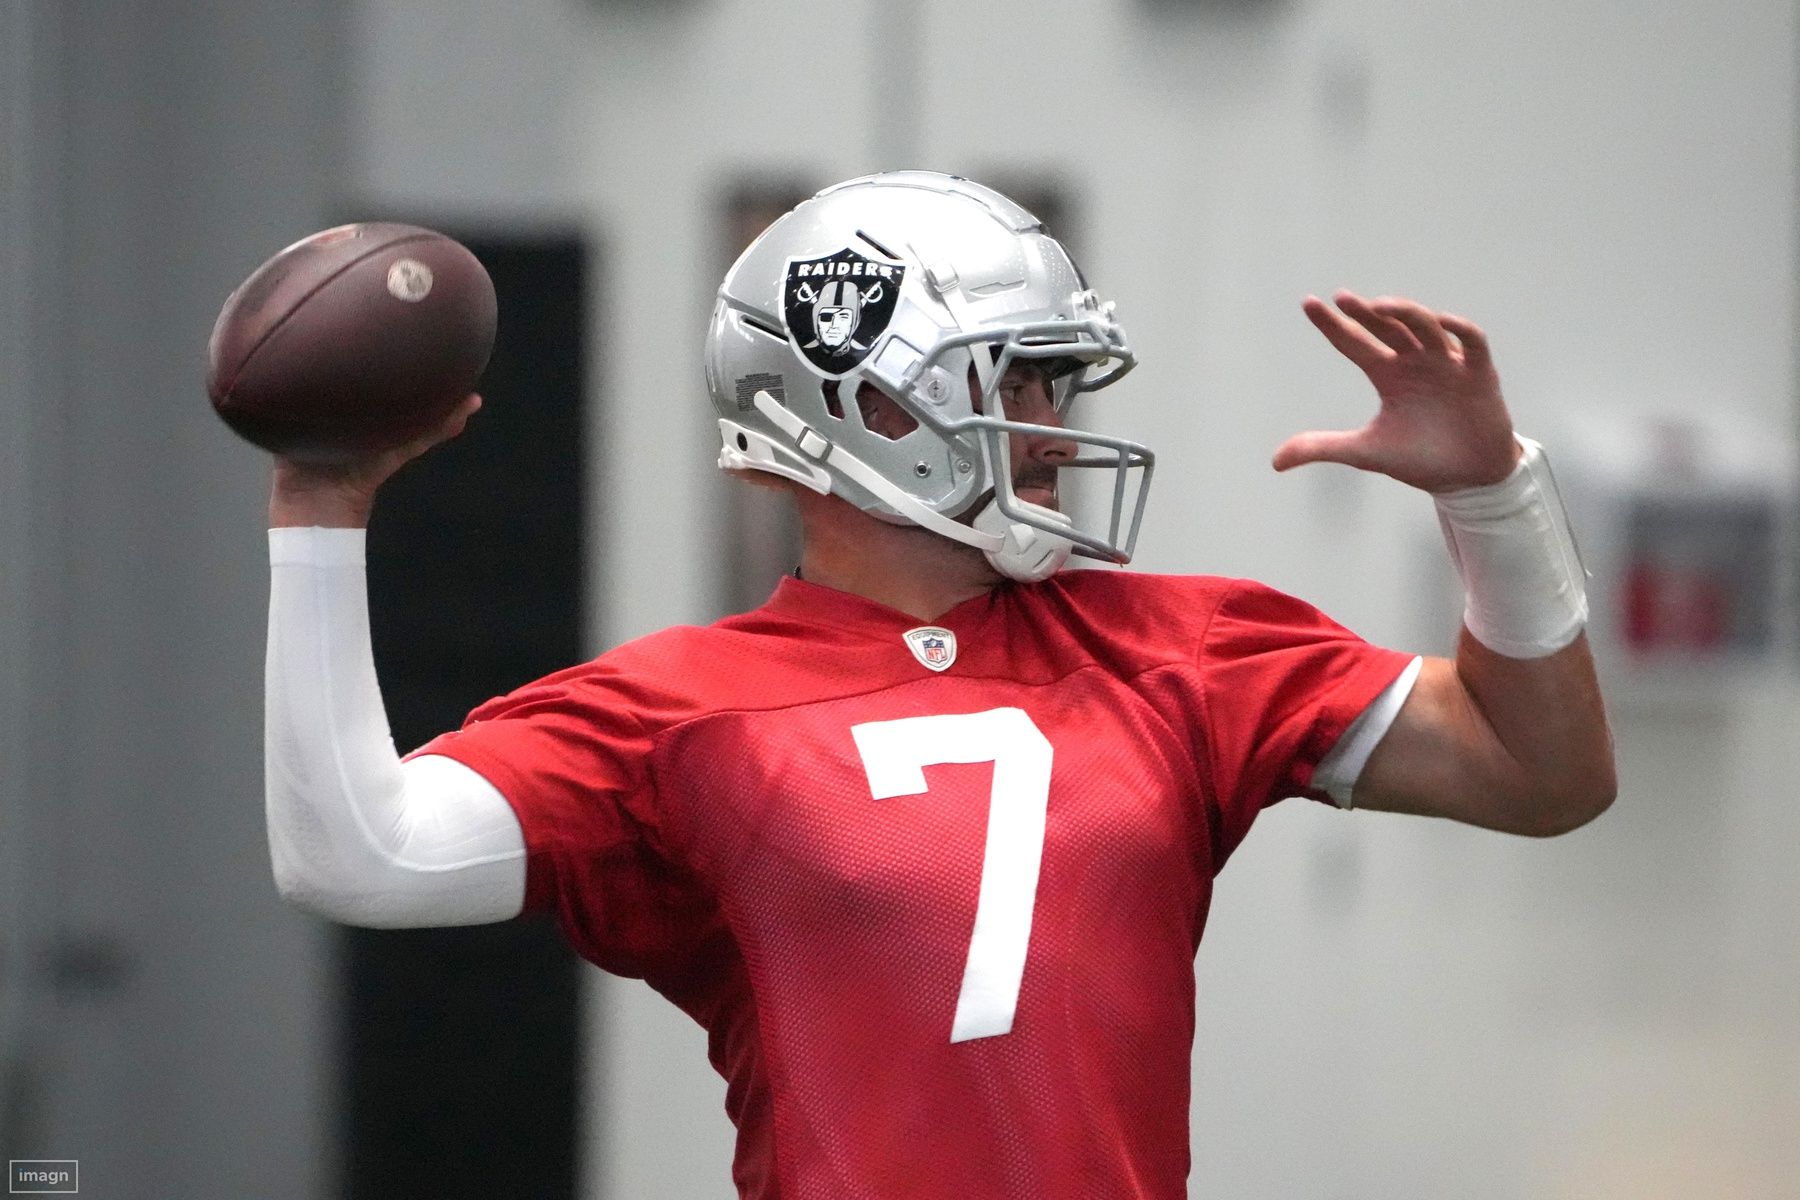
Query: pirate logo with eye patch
{"points": [[837, 307]]}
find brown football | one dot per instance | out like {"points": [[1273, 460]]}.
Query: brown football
{"points": [[351, 341]]}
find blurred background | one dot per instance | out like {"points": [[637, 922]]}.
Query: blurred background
{"points": [[1389, 1007]]}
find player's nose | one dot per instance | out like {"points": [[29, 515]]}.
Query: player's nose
{"points": [[1057, 451], [1037, 408]]}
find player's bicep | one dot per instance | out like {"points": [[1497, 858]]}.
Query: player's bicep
{"points": [[1441, 758]]}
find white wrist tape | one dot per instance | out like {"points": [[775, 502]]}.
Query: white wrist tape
{"points": [[1526, 588]]}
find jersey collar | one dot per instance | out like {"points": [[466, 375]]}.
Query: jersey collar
{"points": [[801, 599]]}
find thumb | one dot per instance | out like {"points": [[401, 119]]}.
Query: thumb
{"points": [[459, 417], [1322, 445], [449, 427]]}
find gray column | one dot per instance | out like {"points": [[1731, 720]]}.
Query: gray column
{"points": [[164, 1014]]}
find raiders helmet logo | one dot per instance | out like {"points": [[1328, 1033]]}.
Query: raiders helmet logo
{"points": [[837, 307]]}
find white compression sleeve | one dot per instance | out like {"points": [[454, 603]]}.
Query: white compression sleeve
{"points": [[355, 834]]}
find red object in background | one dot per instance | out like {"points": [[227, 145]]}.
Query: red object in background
{"points": [[1674, 608]]}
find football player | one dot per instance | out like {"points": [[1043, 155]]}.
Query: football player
{"points": [[927, 841]]}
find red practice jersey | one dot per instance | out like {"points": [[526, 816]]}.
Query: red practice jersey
{"points": [[938, 923]]}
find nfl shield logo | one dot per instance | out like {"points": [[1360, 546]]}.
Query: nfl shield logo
{"points": [[935, 648]]}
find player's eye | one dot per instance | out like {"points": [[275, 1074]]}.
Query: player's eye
{"points": [[1014, 401]]}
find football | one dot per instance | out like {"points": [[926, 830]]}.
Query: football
{"points": [[351, 341]]}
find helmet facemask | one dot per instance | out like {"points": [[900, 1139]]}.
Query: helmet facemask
{"points": [[1098, 356]]}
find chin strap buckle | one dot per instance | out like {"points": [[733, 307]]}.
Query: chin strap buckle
{"points": [[814, 445]]}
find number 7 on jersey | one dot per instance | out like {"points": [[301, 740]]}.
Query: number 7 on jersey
{"points": [[895, 755]]}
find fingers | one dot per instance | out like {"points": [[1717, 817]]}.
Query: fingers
{"points": [[451, 426], [1420, 321], [1474, 342], [343, 495], [1349, 447], [1351, 340], [459, 417], [1392, 333], [1372, 333]]}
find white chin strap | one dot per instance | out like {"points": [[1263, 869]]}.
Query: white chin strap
{"points": [[1013, 548], [1026, 554]]}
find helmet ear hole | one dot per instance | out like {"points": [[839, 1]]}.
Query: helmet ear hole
{"points": [[743, 442], [833, 405], [882, 414]]}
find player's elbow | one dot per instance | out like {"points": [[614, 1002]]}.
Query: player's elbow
{"points": [[314, 892], [346, 901], [300, 889], [1565, 805], [381, 892]]}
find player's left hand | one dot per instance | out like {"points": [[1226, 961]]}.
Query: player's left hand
{"points": [[1442, 424]]}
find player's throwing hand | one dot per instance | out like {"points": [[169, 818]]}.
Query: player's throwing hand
{"points": [[1442, 425], [342, 495]]}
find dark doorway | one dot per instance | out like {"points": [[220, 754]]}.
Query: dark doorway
{"points": [[462, 1046]]}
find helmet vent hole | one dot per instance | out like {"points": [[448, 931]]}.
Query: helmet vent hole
{"points": [[752, 323], [864, 235], [743, 442], [833, 405]]}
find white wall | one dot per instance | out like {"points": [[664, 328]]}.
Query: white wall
{"points": [[1389, 1007]]}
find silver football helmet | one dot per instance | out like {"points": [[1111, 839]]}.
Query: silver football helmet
{"points": [[916, 283]]}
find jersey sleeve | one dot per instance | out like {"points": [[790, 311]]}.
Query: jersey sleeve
{"points": [[1280, 683], [571, 755]]}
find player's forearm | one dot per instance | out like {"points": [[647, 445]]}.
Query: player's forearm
{"points": [[355, 834], [1546, 715], [1524, 660]]}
